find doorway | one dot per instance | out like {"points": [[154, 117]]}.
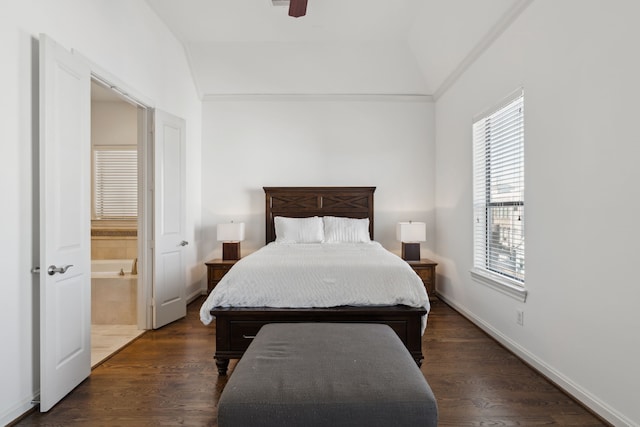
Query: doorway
{"points": [[115, 208], [64, 231]]}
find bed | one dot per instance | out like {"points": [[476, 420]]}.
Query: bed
{"points": [[236, 325]]}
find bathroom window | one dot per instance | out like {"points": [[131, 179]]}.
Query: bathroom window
{"points": [[115, 182]]}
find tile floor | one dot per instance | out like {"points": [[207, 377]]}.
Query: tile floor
{"points": [[107, 339]]}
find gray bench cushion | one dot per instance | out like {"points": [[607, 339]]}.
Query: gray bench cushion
{"points": [[327, 374]]}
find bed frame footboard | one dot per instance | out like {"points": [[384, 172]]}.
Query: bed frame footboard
{"points": [[236, 327]]}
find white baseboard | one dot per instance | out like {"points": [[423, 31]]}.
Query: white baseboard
{"points": [[565, 384], [17, 411], [194, 294]]}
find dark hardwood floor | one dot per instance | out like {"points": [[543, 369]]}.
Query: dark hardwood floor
{"points": [[477, 382], [168, 377]]}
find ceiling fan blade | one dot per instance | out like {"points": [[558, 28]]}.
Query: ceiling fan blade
{"points": [[297, 8]]}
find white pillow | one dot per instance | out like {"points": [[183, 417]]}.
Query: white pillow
{"points": [[346, 230], [298, 230]]}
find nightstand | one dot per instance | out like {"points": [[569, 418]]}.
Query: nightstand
{"points": [[426, 269], [216, 269]]}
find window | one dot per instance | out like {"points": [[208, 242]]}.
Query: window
{"points": [[115, 179], [498, 195]]}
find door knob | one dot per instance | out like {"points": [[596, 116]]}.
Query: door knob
{"points": [[184, 243], [53, 269]]}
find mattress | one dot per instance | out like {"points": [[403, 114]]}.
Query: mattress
{"points": [[318, 275]]}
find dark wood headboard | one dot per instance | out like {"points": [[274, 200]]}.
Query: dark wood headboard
{"points": [[301, 202]]}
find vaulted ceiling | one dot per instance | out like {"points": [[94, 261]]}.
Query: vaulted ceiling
{"points": [[404, 47]]}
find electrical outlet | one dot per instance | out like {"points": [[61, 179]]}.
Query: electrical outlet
{"points": [[520, 317]]}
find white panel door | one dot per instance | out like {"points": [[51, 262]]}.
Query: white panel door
{"points": [[169, 273], [65, 246]]}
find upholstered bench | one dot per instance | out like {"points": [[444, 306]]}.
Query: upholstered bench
{"points": [[327, 374]]}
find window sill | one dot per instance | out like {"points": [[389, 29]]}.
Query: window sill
{"points": [[501, 284]]}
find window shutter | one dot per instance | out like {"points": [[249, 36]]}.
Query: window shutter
{"points": [[115, 183], [498, 174]]}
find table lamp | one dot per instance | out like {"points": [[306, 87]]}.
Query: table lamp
{"points": [[411, 234], [231, 234]]}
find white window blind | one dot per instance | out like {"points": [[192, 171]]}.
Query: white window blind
{"points": [[498, 192], [115, 183]]}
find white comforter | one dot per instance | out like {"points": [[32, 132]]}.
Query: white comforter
{"points": [[318, 275]]}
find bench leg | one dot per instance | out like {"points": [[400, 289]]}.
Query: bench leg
{"points": [[222, 363]]}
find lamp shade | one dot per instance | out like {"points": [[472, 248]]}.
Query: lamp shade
{"points": [[411, 231], [231, 232]]}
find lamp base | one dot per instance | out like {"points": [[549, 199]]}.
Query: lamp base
{"points": [[230, 251], [411, 251]]}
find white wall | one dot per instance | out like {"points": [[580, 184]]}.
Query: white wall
{"points": [[125, 38], [252, 142], [579, 65], [114, 123]]}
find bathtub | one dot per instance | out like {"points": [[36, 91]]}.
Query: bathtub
{"points": [[114, 297], [101, 266]]}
